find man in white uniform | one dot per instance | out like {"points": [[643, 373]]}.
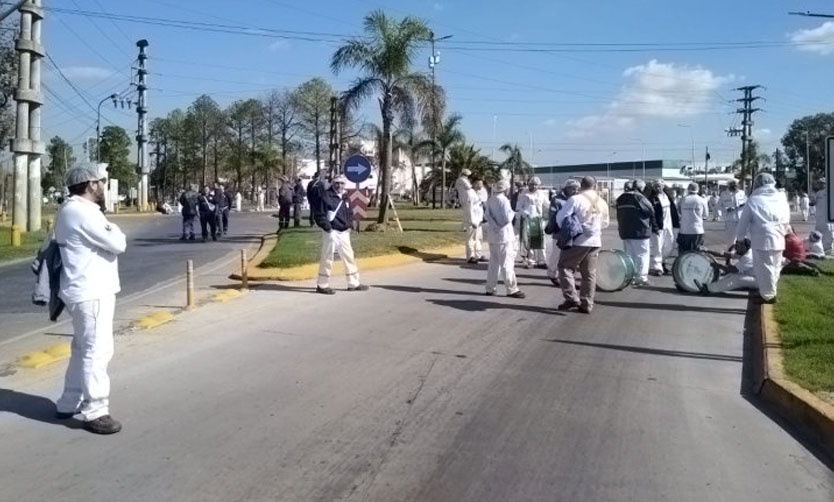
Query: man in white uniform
{"points": [[502, 249], [462, 185], [765, 220], [739, 275], [693, 211], [533, 203], [804, 204], [731, 201], [89, 247], [666, 215], [821, 223], [473, 219]]}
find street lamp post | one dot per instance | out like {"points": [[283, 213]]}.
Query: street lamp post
{"points": [[98, 123], [434, 59]]}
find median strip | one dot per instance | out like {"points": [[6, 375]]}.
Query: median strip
{"points": [[49, 355]]}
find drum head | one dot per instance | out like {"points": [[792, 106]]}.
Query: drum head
{"points": [[693, 266], [535, 233], [614, 270]]}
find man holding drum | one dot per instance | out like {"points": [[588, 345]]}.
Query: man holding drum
{"points": [[765, 219], [636, 223], [591, 212], [533, 206]]}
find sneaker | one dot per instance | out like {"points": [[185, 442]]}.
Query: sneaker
{"points": [[182, 238], [656, 273], [191, 237], [640, 284], [103, 425], [65, 415], [585, 308], [555, 281], [324, 291], [542, 266], [361, 287], [517, 294], [567, 305]]}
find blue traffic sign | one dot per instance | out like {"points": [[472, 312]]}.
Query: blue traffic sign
{"points": [[357, 168]]}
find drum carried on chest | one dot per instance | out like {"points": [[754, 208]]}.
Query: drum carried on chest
{"points": [[534, 233], [694, 266], [615, 270]]}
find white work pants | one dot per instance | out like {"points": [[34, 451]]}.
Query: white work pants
{"points": [[639, 250], [767, 265], [337, 241], [662, 245], [730, 230], [731, 282], [553, 260], [805, 213], [501, 262], [86, 384], [474, 242]]}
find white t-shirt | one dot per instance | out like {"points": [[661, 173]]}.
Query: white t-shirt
{"points": [[693, 210]]}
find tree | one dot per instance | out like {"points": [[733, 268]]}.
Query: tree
{"points": [[204, 113], [797, 145], [8, 80], [115, 151], [514, 163], [384, 56], [60, 158], [465, 156], [280, 119], [447, 136], [751, 162], [241, 119], [418, 148], [313, 99]]}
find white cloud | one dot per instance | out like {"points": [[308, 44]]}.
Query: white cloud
{"points": [[819, 39], [87, 72], [279, 45], [438, 6], [550, 122], [655, 90]]}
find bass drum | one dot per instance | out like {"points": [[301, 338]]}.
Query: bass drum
{"points": [[693, 266], [535, 233], [615, 270]]}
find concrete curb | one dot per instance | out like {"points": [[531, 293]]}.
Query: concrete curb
{"points": [[310, 271], [798, 406]]}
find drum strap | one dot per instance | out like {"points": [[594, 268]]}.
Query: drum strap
{"points": [[594, 208]]}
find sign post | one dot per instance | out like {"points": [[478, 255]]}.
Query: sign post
{"points": [[357, 168]]}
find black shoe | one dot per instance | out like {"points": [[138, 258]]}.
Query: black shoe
{"points": [[325, 291], [542, 266], [517, 294], [204, 239], [214, 237], [656, 273], [191, 237], [182, 238], [60, 415], [585, 308], [703, 288], [361, 287], [472, 261], [567, 305], [489, 293], [103, 425], [666, 270], [555, 281], [482, 258]]}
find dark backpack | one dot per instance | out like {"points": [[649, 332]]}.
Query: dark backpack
{"points": [[314, 195]]}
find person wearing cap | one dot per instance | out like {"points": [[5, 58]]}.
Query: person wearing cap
{"points": [[666, 214], [89, 246], [765, 220], [591, 212], [813, 246], [533, 203], [821, 223], [730, 202], [636, 224], [499, 216], [208, 213], [693, 211], [334, 219], [569, 189]]}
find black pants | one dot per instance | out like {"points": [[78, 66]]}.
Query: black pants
{"points": [[208, 221], [296, 214], [690, 242], [284, 215]]}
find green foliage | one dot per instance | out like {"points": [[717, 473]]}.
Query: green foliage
{"points": [[115, 150], [805, 318], [313, 98], [60, 159], [798, 145], [29, 244], [8, 79]]}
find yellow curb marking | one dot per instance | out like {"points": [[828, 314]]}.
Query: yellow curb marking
{"points": [[153, 320], [49, 355], [226, 295]]}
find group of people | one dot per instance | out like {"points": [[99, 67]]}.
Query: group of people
{"points": [[210, 207]]}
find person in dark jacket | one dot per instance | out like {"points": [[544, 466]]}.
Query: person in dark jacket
{"points": [[637, 222], [666, 214], [334, 219], [223, 202], [285, 202], [297, 199], [188, 201], [208, 213]]}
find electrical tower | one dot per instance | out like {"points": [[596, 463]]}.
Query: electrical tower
{"points": [[746, 130], [335, 161]]}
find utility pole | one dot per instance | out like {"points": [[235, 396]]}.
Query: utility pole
{"points": [[335, 163], [27, 145], [746, 130], [142, 132], [434, 60]]}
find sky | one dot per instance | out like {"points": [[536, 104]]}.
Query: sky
{"points": [[568, 81]]}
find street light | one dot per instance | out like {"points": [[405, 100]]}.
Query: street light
{"points": [[98, 123], [692, 140], [434, 60]]}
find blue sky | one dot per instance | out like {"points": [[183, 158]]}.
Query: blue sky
{"points": [[610, 80]]}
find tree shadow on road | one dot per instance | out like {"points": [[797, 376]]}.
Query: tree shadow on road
{"points": [[483, 306], [33, 407], [650, 351], [670, 306], [174, 239]]}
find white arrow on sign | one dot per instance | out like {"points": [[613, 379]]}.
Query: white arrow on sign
{"points": [[356, 168], [358, 195]]}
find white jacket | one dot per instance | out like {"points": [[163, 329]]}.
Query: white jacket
{"points": [[693, 210], [534, 204], [475, 214], [592, 212], [730, 204], [765, 218], [89, 247], [499, 216]]}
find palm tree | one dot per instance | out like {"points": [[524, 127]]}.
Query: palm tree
{"points": [[448, 135], [418, 148], [384, 56], [514, 163], [465, 156]]}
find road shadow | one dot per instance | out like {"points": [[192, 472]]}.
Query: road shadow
{"points": [[33, 407], [670, 307], [274, 286], [649, 351], [414, 289], [482, 282], [237, 239], [429, 257], [483, 306]]}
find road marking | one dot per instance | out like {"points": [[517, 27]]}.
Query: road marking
{"points": [[49, 355], [153, 319]]}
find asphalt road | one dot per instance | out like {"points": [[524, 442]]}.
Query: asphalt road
{"points": [[154, 257], [421, 389]]}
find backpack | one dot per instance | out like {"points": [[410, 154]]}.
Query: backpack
{"points": [[315, 191]]}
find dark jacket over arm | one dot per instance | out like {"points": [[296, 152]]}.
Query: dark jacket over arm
{"points": [[330, 201]]}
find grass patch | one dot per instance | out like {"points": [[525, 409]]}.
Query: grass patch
{"points": [[29, 244], [806, 326], [423, 229]]}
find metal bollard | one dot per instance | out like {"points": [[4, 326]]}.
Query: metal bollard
{"points": [[15, 236], [189, 292], [244, 277]]}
